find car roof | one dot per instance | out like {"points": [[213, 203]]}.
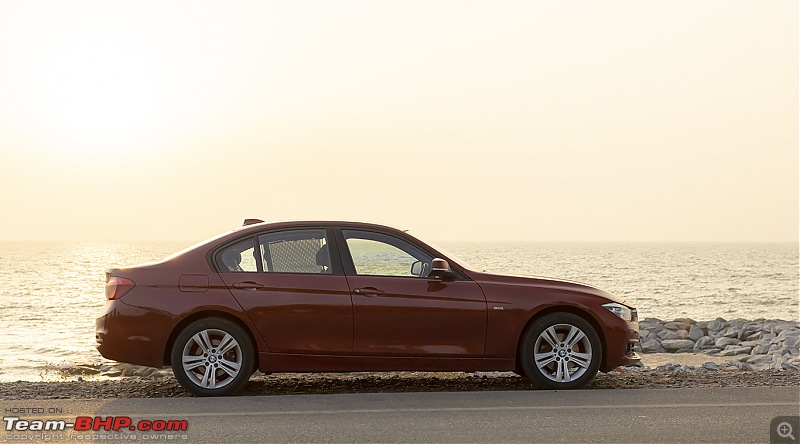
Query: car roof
{"points": [[326, 223]]}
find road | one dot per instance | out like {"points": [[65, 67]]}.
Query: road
{"points": [[656, 415]]}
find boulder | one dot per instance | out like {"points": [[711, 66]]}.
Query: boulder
{"points": [[791, 341], [676, 344], [733, 350], [760, 349], [755, 336], [724, 342], [667, 334], [759, 359], [704, 343], [740, 365], [652, 346], [746, 331], [787, 366], [695, 333], [716, 325], [711, 366]]}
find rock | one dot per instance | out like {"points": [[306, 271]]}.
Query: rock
{"points": [[791, 341], [746, 331], [732, 350], [695, 333], [763, 359], [704, 343], [787, 366], [675, 344], [740, 365], [755, 336], [668, 367], [682, 334], [730, 332], [667, 334], [673, 326], [724, 342], [652, 346], [785, 326], [762, 349], [711, 366], [716, 325], [749, 343]]}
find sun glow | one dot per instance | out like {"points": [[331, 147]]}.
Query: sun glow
{"points": [[92, 95], [93, 91]]}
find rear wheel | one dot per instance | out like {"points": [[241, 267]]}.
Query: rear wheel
{"points": [[212, 357], [560, 351]]}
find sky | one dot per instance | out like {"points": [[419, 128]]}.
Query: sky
{"points": [[669, 121]]}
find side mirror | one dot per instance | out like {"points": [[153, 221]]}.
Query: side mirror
{"points": [[416, 268], [441, 269]]}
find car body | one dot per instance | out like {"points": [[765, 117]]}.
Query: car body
{"points": [[321, 296]]}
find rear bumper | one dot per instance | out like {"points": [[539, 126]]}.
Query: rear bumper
{"points": [[131, 334]]}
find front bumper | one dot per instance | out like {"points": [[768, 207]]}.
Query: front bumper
{"points": [[622, 337]]}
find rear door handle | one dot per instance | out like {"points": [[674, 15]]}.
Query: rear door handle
{"points": [[369, 291], [247, 285]]}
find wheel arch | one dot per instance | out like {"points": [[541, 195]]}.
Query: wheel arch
{"points": [[578, 311], [208, 314]]}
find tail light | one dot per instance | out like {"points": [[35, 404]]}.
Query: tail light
{"points": [[117, 287]]}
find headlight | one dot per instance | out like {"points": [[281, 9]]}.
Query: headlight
{"points": [[619, 310]]}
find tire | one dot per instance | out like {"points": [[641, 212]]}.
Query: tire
{"points": [[204, 370], [560, 351]]}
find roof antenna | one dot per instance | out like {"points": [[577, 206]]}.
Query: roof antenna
{"points": [[251, 222]]}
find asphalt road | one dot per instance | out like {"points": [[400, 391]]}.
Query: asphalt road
{"points": [[657, 415]]}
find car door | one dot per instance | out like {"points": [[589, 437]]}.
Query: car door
{"points": [[396, 313], [290, 283]]}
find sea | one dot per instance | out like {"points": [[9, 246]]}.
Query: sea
{"points": [[51, 293]]}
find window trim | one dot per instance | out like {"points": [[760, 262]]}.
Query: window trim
{"points": [[333, 251], [349, 264]]}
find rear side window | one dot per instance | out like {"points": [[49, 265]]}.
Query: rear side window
{"points": [[295, 251], [239, 257]]}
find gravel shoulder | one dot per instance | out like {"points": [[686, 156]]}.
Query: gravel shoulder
{"points": [[287, 384]]}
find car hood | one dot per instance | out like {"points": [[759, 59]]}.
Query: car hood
{"points": [[550, 283]]}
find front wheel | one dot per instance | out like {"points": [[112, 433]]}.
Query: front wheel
{"points": [[212, 357], [560, 351]]}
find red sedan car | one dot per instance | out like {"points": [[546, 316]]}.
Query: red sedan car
{"points": [[345, 296]]}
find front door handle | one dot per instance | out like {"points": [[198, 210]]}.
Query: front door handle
{"points": [[248, 285], [369, 291]]}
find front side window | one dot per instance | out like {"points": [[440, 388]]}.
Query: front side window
{"points": [[378, 254], [295, 251]]}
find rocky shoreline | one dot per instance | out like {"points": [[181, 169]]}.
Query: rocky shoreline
{"points": [[678, 353], [760, 344]]}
